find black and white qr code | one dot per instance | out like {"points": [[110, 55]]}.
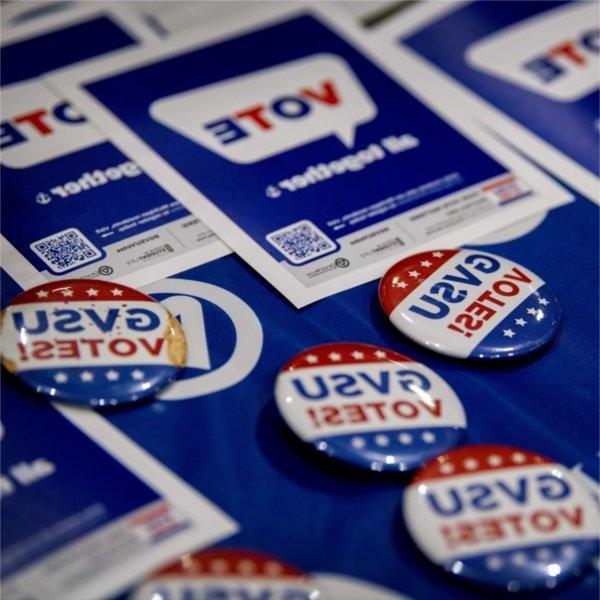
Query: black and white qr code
{"points": [[66, 250], [301, 242]]}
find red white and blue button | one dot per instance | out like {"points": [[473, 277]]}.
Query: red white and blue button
{"points": [[91, 342], [470, 304], [228, 573], [369, 406], [502, 517]]}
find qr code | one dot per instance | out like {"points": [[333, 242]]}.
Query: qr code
{"points": [[301, 242], [66, 250]]}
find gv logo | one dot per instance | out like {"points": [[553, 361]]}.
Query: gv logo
{"points": [[190, 301], [555, 54], [252, 117], [38, 126]]}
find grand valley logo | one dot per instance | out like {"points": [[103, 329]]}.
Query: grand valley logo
{"points": [[224, 335], [254, 116]]}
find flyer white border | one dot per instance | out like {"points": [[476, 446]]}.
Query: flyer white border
{"points": [[14, 262], [486, 115], [211, 524], [425, 86]]}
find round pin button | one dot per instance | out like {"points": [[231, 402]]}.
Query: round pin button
{"points": [[502, 517], [227, 573], [470, 304], [369, 406], [91, 342]]}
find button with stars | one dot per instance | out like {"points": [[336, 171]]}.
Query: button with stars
{"points": [[369, 406], [228, 573], [470, 304], [502, 517], [91, 342]]}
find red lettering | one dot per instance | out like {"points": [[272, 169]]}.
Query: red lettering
{"points": [[500, 288], [574, 519], [487, 295], [434, 409], [400, 408], [568, 50], [517, 522], [355, 413], [469, 322], [254, 114], [332, 415], [544, 520], [35, 120], [153, 350], [378, 406], [113, 346], [67, 349], [480, 310], [313, 415], [42, 350], [93, 345], [518, 275], [327, 95]]}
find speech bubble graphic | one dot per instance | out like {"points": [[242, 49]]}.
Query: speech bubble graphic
{"points": [[254, 116], [556, 54], [38, 126]]}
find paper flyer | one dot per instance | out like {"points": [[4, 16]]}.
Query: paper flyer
{"points": [[89, 209]]}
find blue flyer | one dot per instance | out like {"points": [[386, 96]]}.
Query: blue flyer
{"points": [[79, 207], [298, 504], [313, 163], [532, 69], [77, 521]]}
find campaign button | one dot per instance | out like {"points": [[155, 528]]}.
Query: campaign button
{"points": [[470, 304], [369, 406], [502, 517], [91, 342], [228, 573]]}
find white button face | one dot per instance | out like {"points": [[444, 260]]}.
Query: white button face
{"points": [[470, 304], [91, 342], [369, 406], [228, 573], [501, 516]]}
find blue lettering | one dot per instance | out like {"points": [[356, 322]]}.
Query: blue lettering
{"points": [[321, 392], [467, 277], [440, 313], [555, 489], [105, 325], [64, 112], [481, 493], [454, 508], [67, 325], [290, 108], [142, 324], [40, 327], [382, 386], [10, 135], [519, 495], [347, 381], [226, 131], [409, 380], [544, 68], [483, 263], [591, 40], [447, 293]]}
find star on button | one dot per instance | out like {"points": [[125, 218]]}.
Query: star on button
{"points": [[405, 438], [437, 254], [358, 355], [42, 294], [116, 292], [380, 354], [91, 292], [428, 437], [425, 263], [311, 358], [532, 311], [112, 375], [509, 333], [137, 374], [543, 301], [520, 322], [335, 356], [414, 273], [61, 377], [86, 376], [67, 293], [400, 284]]}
